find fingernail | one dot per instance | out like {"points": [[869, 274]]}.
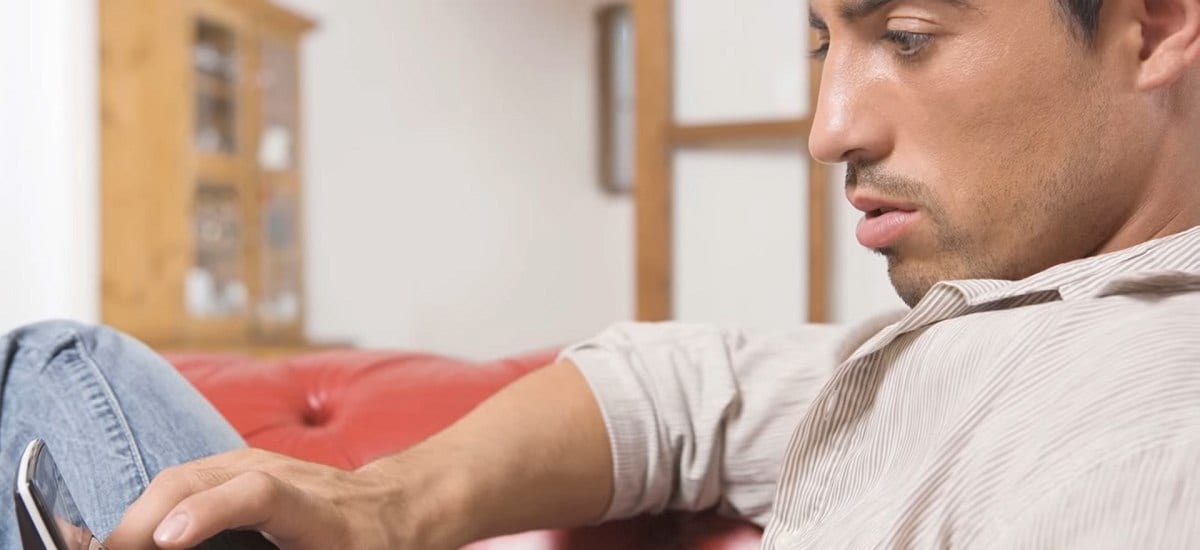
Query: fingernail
{"points": [[171, 528]]}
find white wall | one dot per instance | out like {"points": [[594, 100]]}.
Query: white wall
{"points": [[740, 60], [453, 204], [48, 167], [740, 251]]}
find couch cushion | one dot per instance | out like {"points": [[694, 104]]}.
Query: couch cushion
{"points": [[347, 408]]}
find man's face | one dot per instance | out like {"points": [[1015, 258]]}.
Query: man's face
{"points": [[1006, 142]]}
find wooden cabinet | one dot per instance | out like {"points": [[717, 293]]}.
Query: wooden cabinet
{"points": [[201, 197]]}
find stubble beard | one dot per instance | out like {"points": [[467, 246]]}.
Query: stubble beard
{"points": [[913, 282]]}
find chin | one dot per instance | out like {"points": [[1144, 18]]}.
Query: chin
{"points": [[911, 281]]}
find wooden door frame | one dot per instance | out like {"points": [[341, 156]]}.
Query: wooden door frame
{"points": [[657, 138]]}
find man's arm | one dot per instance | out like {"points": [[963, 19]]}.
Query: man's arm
{"points": [[535, 454], [699, 416], [643, 418]]}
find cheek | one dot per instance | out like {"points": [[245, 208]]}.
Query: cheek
{"points": [[983, 126]]}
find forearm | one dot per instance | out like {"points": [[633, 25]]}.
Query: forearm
{"points": [[534, 455]]}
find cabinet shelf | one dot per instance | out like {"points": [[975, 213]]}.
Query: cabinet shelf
{"points": [[215, 86], [218, 167]]}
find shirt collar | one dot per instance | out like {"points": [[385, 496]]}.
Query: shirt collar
{"points": [[1168, 264], [1105, 274]]}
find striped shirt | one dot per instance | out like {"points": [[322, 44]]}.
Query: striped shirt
{"points": [[1059, 411]]}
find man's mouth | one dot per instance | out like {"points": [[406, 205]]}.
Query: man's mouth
{"points": [[884, 221], [882, 227]]}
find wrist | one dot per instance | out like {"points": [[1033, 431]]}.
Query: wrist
{"points": [[421, 498]]}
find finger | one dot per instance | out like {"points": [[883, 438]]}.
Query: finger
{"points": [[169, 488], [252, 500], [242, 460]]}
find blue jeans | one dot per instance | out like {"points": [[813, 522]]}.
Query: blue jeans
{"points": [[112, 413]]}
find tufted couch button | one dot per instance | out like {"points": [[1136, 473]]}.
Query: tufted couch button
{"points": [[315, 414]]}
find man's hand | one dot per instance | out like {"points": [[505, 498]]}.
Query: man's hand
{"points": [[297, 505]]}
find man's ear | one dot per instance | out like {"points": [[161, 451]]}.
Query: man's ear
{"points": [[1170, 41]]}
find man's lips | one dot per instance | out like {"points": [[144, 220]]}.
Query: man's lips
{"points": [[884, 222], [883, 230]]}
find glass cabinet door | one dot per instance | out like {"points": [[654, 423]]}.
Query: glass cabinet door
{"points": [[215, 69], [215, 286], [279, 304], [280, 105], [218, 285], [280, 300]]}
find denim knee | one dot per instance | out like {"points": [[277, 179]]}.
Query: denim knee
{"points": [[39, 343]]}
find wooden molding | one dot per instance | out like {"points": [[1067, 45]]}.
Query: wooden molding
{"points": [[818, 242], [786, 131], [279, 18], [818, 208], [657, 138], [653, 170]]}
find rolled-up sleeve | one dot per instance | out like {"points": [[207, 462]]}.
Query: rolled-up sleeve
{"points": [[700, 416]]}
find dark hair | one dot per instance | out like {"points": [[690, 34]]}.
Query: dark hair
{"points": [[1085, 15]]}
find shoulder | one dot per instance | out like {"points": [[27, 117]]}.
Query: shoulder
{"points": [[1144, 328], [1125, 358]]}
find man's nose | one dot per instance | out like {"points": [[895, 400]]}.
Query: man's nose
{"points": [[847, 125]]}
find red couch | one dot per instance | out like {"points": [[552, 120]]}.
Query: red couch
{"points": [[346, 408]]}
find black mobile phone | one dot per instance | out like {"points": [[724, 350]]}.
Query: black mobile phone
{"points": [[48, 518]]}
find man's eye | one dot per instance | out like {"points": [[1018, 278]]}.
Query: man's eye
{"points": [[908, 44], [820, 51]]}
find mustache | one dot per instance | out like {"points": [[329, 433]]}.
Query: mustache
{"points": [[875, 178]]}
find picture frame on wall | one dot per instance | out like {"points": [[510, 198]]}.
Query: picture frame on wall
{"points": [[617, 116]]}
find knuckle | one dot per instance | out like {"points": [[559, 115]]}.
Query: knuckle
{"points": [[261, 484], [255, 454], [286, 469], [173, 476], [206, 477], [188, 478]]}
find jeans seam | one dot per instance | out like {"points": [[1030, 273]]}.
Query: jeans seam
{"points": [[85, 355]]}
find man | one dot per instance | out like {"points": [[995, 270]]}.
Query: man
{"points": [[1028, 167]]}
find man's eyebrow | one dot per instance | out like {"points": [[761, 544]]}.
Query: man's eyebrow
{"points": [[853, 10], [815, 21]]}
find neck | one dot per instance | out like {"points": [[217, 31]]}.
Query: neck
{"points": [[1170, 201]]}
